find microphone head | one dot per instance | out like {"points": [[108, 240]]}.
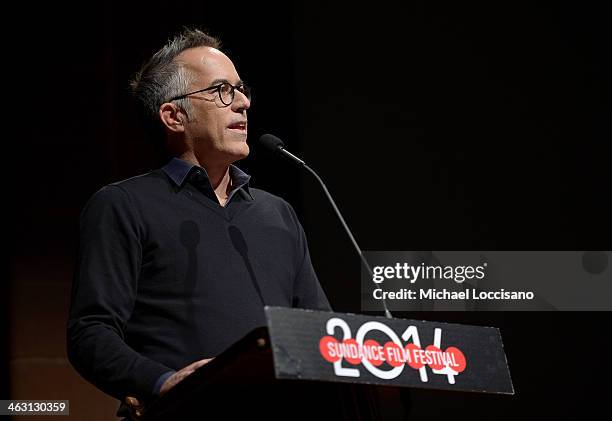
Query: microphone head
{"points": [[271, 142]]}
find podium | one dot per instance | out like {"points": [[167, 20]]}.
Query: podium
{"points": [[306, 365]]}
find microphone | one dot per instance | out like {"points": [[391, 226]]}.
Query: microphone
{"points": [[276, 146]]}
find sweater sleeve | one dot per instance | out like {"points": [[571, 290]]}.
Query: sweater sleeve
{"points": [[103, 296]]}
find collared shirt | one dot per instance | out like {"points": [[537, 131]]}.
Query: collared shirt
{"points": [[180, 171], [166, 276]]}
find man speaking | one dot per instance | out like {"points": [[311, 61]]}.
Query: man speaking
{"points": [[176, 265]]}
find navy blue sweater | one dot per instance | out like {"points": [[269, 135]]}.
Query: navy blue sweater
{"points": [[167, 276]]}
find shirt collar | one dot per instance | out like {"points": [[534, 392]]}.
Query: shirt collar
{"points": [[178, 170]]}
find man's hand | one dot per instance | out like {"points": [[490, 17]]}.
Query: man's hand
{"points": [[137, 409], [177, 377]]}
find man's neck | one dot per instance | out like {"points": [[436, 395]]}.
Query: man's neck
{"points": [[218, 175]]}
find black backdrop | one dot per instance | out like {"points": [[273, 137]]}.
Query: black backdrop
{"points": [[436, 126]]}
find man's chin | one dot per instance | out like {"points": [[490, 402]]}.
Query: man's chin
{"points": [[239, 152]]}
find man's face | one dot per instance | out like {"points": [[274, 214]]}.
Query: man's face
{"points": [[218, 132]]}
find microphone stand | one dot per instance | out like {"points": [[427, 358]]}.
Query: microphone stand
{"points": [[302, 164]]}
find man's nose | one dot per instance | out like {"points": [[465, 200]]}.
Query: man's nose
{"points": [[241, 102]]}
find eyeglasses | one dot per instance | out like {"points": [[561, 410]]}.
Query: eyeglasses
{"points": [[226, 92]]}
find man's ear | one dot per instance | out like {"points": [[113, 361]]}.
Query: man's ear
{"points": [[172, 117]]}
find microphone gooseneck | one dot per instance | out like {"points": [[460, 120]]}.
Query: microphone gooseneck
{"points": [[276, 145]]}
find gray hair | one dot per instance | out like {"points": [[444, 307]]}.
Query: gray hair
{"points": [[162, 77]]}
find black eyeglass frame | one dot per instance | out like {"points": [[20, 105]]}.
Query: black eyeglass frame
{"points": [[242, 88]]}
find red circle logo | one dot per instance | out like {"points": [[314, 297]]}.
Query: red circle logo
{"points": [[373, 352], [352, 351], [460, 361], [328, 346], [413, 354], [393, 354]]}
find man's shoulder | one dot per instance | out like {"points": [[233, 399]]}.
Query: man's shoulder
{"points": [[267, 198], [263, 194], [271, 204], [130, 189], [139, 186], [141, 182]]}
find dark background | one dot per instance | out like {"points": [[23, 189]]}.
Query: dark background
{"points": [[436, 125]]}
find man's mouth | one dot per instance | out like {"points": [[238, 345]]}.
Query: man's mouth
{"points": [[239, 125]]}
